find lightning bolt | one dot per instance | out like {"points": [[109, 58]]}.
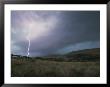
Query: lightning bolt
{"points": [[28, 44], [28, 48]]}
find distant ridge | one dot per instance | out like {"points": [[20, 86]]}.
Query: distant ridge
{"points": [[95, 51], [86, 54]]}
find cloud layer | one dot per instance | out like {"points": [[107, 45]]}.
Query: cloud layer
{"points": [[54, 32]]}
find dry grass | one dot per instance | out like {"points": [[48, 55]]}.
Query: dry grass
{"points": [[45, 68]]}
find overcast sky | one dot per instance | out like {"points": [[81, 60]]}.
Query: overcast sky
{"points": [[54, 32]]}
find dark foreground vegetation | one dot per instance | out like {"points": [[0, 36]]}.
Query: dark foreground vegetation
{"points": [[78, 64]]}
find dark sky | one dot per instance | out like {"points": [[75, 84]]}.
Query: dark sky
{"points": [[54, 32]]}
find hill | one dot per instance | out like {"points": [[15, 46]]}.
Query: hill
{"points": [[94, 51], [84, 55]]}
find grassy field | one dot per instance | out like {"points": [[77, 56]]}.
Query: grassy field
{"points": [[45, 68]]}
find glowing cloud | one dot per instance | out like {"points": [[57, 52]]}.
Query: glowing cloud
{"points": [[33, 25], [35, 29]]}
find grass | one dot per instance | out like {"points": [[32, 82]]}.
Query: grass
{"points": [[46, 68]]}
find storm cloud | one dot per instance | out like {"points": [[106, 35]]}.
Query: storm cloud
{"points": [[54, 32]]}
